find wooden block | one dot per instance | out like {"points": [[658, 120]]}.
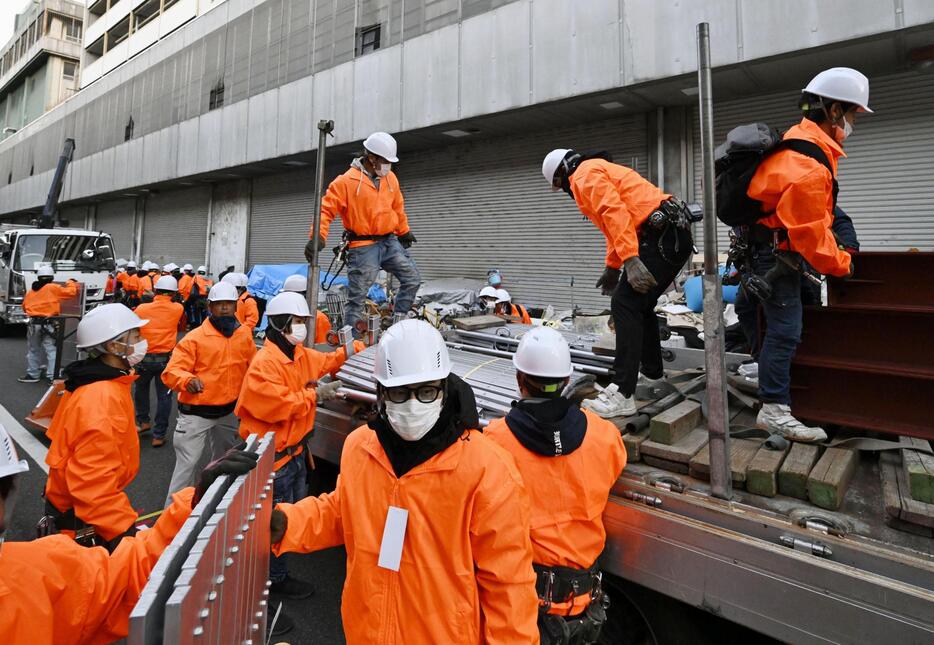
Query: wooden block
{"points": [[793, 475], [605, 345], [675, 423], [919, 468], [902, 512], [673, 466], [680, 452], [741, 453], [472, 323], [762, 474], [633, 442], [830, 477]]}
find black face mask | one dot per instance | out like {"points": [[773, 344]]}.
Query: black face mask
{"points": [[226, 325], [142, 273]]}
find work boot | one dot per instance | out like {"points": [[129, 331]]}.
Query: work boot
{"points": [[292, 588], [283, 625], [143, 427], [610, 403], [777, 418], [26, 378], [158, 442]]}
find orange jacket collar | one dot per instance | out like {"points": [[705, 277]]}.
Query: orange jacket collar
{"points": [[271, 347], [822, 139], [447, 459]]}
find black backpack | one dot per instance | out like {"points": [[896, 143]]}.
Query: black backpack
{"points": [[736, 161]]}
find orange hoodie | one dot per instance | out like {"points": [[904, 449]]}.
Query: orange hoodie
{"points": [[162, 331], [362, 207], [465, 574], [247, 311], [47, 301], [798, 191], [618, 200]]}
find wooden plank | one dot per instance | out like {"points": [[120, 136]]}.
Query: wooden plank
{"points": [[762, 473], [633, 442], [793, 475], [605, 345], [473, 323], [830, 477], [919, 469], [680, 452], [675, 423], [901, 511], [741, 453], [672, 466]]}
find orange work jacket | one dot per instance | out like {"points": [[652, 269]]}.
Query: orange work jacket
{"points": [[203, 283], [322, 327], [131, 284], [184, 285], [247, 311], [143, 284], [47, 301], [362, 207], [519, 313], [164, 317]]}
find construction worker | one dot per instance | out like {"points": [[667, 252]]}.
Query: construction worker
{"points": [[433, 515], [94, 452], [185, 280], [206, 370], [369, 202], [119, 277], [161, 334], [799, 194], [42, 302], [494, 278], [504, 307], [648, 236], [196, 303], [280, 394], [569, 460], [130, 285], [144, 284], [55, 591], [247, 310], [299, 284], [487, 298]]}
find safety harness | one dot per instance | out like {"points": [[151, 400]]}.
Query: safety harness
{"points": [[561, 586]]}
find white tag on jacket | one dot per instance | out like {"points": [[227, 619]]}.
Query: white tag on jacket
{"points": [[390, 551]]}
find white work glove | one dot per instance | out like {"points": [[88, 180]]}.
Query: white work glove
{"points": [[328, 391]]}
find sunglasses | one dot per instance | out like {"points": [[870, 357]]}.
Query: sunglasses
{"points": [[424, 393]]}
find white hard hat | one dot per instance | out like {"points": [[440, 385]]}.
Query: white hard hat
{"points": [[488, 292], [295, 283], [10, 463], [121, 262], [288, 302], [411, 351], [382, 144], [45, 270], [543, 352], [550, 165], [166, 283], [232, 279], [223, 291], [502, 296], [202, 269], [106, 322], [171, 266], [842, 84], [131, 264], [188, 267]]}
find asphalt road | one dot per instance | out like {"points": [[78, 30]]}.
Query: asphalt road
{"points": [[317, 618]]}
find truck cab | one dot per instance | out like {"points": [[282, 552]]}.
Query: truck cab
{"points": [[86, 256]]}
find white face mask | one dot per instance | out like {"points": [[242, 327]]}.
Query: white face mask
{"points": [[139, 351], [847, 129], [298, 334], [382, 169], [413, 419]]}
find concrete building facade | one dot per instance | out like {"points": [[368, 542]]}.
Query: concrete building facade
{"points": [[40, 66], [201, 148]]}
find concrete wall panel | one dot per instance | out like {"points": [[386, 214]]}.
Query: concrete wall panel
{"points": [[333, 99], [262, 119], [917, 12], [376, 88], [430, 69], [294, 133], [233, 134], [188, 147]]}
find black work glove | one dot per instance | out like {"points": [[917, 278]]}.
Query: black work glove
{"points": [[111, 545], [309, 247], [234, 462], [638, 275], [608, 281], [278, 523], [407, 240]]}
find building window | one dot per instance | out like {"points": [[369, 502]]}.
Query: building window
{"points": [[73, 30], [216, 98], [168, 3], [367, 40], [128, 131], [69, 71]]}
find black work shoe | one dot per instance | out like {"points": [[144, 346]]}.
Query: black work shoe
{"points": [[292, 588], [26, 378], [284, 624]]}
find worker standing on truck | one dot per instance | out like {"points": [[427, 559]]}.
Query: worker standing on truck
{"points": [[206, 370], [433, 515], [55, 591], [280, 394], [161, 334], [369, 201], [41, 302], [505, 307], [94, 451], [799, 194], [648, 237], [569, 460]]}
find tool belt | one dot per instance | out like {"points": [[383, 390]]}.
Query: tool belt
{"points": [[563, 584], [671, 212], [354, 237], [55, 521], [761, 235]]}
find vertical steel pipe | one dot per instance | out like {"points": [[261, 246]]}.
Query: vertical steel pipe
{"points": [[314, 282]]}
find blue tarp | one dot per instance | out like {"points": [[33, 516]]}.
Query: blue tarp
{"points": [[266, 280], [694, 293]]}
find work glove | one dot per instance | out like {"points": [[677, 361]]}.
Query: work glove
{"points": [[328, 391], [608, 281], [638, 275], [235, 461], [278, 523], [407, 240], [309, 247]]}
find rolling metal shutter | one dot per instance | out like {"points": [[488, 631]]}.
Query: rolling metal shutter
{"points": [[281, 213], [887, 179], [116, 218], [484, 204], [175, 226]]}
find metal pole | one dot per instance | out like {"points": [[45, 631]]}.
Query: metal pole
{"points": [[718, 424], [314, 282]]}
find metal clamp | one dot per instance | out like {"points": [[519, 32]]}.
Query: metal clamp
{"points": [[648, 500], [813, 548]]}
